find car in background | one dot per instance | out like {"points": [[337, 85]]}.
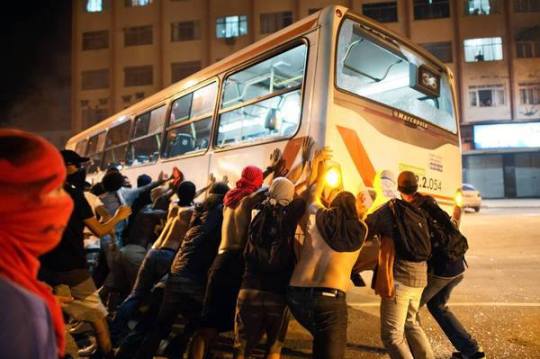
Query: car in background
{"points": [[471, 197]]}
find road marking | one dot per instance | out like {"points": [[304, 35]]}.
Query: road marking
{"points": [[460, 304]]}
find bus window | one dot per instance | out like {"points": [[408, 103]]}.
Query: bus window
{"points": [[144, 147], [94, 150], [191, 122], [116, 146], [368, 69], [80, 147], [271, 94]]}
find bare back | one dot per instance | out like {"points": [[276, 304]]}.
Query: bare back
{"points": [[321, 266]]}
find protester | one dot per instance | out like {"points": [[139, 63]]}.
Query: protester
{"points": [[158, 259], [408, 241], [269, 257], [225, 274], [446, 269], [33, 214], [65, 267], [185, 286], [333, 239]]}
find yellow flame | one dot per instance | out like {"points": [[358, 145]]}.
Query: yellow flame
{"points": [[458, 199]]}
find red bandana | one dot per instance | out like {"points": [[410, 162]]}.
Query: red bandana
{"points": [[31, 223], [251, 180]]}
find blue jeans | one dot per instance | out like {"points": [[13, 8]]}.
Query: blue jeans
{"points": [[324, 317], [154, 266], [436, 295]]}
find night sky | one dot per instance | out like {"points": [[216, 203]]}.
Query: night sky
{"points": [[35, 62]]}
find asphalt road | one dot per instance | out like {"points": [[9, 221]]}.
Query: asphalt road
{"points": [[498, 301]]}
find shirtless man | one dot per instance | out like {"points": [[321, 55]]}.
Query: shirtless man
{"points": [[333, 239], [225, 275]]}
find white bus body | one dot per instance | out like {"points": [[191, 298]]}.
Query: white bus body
{"points": [[357, 96]]}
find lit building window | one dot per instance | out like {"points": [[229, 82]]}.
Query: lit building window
{"points": [[486, 96], [231, 26], [136, 3], [381, 11], [529, 94], [480, 7], [94, 5], [483, 49], [272, 22], [527, 5], [431, 9]]}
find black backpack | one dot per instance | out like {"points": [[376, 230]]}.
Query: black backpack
{"points": [[269, 246], [411, 228], [446, 240]]}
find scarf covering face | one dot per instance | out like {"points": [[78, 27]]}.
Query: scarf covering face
{"points": [[31, 223], [281, 192], [251, 180], [339, 225]]}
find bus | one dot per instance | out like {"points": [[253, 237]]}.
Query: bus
{"points": [[381, 104]]}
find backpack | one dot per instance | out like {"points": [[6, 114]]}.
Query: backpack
{"points": [[412, 231], [446, 240], [269, 248]]}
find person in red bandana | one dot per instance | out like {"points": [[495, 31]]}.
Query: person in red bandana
{"points": [[225, 275], [33, 214]]}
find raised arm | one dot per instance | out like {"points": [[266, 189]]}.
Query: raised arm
{"points": [[101, 229]]}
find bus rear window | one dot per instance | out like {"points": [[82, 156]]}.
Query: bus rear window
{"points": [[367, 68]]}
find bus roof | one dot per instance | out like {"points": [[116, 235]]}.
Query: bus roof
{"points": [[289, 33]]}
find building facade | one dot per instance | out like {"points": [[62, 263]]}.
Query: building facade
{"points": [[125, 50]]}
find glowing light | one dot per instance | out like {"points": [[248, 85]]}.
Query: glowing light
{"points": [[458, 199], [332, 177]]}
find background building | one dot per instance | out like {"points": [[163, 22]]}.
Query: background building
{"points": [[125, 50]]}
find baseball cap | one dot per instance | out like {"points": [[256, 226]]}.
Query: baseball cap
{"points": [[72, 157], [407, 182]]}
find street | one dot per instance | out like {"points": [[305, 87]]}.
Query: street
{"points": [[498, 301]]}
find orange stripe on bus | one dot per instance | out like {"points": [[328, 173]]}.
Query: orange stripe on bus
{"points": [[291, 151], [358, 154]]}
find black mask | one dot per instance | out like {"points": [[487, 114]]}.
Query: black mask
{"points": [[78, 178]]}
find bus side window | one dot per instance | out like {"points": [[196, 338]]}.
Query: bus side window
{"points": [[94, 150], [145, 143], [271, 93], [190, 123], [116, 146]]}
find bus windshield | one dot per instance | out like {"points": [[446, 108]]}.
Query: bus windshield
{"points": [[386, 74]]}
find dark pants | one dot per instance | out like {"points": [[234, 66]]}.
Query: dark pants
{"points": [[324, 317], [182, 296], [155, 265], [436, 295]]}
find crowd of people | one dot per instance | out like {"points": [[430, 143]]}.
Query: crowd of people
{"points": [[178, 265]]}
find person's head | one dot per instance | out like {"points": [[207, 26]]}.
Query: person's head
{"points": [[216, 195], [35, 206], [73, 161], [186, 193], [252, 176], [219, 188], [346, 203], [407, 185], [112, 181], [143, 180], [281, 191]]}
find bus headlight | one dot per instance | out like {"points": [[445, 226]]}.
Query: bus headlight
{"points": [[458, 199], [332, 178]]}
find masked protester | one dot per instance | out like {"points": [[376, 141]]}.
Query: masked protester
{"points": [[33, 214]]}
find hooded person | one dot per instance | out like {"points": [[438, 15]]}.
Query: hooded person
{"points": [[250, 181], [33, 214], [270, 259]]}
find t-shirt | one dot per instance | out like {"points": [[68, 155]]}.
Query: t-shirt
{"points": [[277, 282], [26, 328], [411, 274], [70, 254]]}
